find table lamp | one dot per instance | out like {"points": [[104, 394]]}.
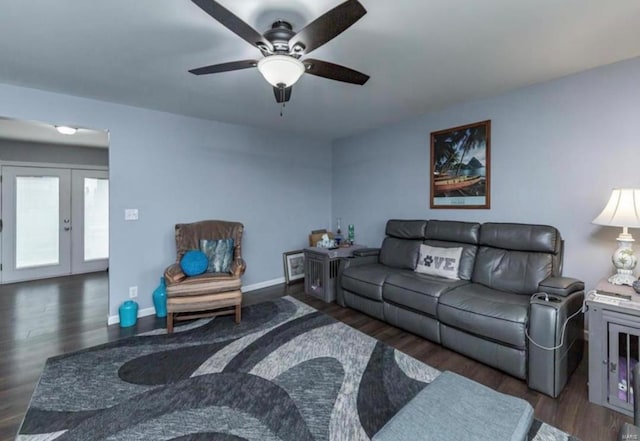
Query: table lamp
{"points": [[622, 210]]}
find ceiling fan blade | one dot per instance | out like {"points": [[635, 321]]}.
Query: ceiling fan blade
{"points": [[282, 96], [328, 26], [234, 24], [224, 67], [334, 72]]}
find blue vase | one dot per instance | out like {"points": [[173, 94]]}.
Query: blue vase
{"points": [[128, 313], [160, 299]]}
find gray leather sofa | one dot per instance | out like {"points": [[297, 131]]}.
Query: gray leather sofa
{"points": [[510, 284]]}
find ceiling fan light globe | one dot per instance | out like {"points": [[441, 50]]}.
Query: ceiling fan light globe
{"points": [[281, 69]]}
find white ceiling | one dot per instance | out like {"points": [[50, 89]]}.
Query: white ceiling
{"points": [[36, 131], [421, 55]]}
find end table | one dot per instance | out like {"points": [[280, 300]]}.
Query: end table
{"points": [[321, 270], [614, 345]]}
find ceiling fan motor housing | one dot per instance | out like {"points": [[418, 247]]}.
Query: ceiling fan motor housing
{"points": [[279, 35]]}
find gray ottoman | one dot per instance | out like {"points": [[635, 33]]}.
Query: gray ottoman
{"points": [[453, 407]]}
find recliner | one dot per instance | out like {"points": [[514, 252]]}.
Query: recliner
{"points": [[486, 313]]}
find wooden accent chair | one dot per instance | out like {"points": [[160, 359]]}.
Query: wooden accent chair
{"points": [[207, 294]]}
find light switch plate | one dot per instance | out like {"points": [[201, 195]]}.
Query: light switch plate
{"points": [[130, 214]]}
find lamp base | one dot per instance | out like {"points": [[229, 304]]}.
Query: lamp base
{"points": [[622, 279], [624, 260]]}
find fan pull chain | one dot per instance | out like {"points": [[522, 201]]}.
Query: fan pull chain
{"points": [[281, 88]]}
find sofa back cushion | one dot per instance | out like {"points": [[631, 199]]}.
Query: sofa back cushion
{"points": [[406, 229], [400, 253], [453, 234], [516, 257], [453, 231]]}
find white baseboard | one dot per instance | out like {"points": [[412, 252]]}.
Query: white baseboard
{"points": [[265, 284], [115, 319]]}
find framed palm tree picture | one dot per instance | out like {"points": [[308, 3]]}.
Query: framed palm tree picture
{"points": [[460, 172]]}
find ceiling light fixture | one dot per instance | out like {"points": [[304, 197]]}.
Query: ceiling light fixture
{"points": [[281, 70], [66, 130]]}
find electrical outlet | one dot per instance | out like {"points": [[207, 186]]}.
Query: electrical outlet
{"points": [[131, 214], [133, 292]]}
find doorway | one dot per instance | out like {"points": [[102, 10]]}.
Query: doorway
{"points": [[55, 222]]}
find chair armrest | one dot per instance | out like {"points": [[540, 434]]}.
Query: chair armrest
{"points": [[238, 267], [366, 252], [560, 286], [174, 274]]}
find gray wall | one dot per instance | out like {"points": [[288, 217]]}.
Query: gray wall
{"points": [[179, 169], [24, 151], [558, 149]]}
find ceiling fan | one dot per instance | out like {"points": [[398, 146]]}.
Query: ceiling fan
{"points": [[283, 48]]}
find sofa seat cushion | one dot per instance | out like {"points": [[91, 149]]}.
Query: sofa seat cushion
{"points": [[486, 312], [417, 291], [367, 280]]}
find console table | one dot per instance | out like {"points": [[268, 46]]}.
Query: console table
{"points": [[614, 349], [321, 270]]}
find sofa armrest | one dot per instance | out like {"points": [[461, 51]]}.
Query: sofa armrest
{"points": [[348, 262], [174, 274], [367, 252], [549, 369], [561, 286]]}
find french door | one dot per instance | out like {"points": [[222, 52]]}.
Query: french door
{"points": [[54, 222]]}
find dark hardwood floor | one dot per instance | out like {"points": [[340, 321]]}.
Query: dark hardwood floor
{"points": [[49, 317]]}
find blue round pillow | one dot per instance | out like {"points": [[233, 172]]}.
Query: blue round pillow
{"points": [[194, 262]]}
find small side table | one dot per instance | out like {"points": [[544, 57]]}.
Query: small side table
{"points": [[614, 345], [321, 270]]}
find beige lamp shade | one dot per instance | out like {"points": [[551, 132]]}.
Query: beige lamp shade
{"points": [[622, 210]]}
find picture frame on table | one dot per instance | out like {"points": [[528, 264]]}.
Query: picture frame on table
{"points": [[460, 168], [293, 266]]}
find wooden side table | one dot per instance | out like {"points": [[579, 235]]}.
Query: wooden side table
{"points": [[614, 345], [321, 270]]}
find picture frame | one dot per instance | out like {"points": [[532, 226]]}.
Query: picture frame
{"points": [[460, 167], [293, 266]]}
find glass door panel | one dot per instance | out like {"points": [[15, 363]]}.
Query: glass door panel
{"points": [[37, 221], [90, 218], [96, 219]]}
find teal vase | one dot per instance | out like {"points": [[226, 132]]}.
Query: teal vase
{"points": [[160, 299], [128, 313]]}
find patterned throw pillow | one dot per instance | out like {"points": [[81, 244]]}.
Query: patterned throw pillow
{"points": [[220, 254], [442, 262]]}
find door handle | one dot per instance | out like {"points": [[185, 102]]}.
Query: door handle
{"points": [[67, 228]]}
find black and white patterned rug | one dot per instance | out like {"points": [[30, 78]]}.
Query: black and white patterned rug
{"points": [[287, 372]]}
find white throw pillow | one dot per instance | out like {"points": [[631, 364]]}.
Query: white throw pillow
{"points": [[442, 262]]}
